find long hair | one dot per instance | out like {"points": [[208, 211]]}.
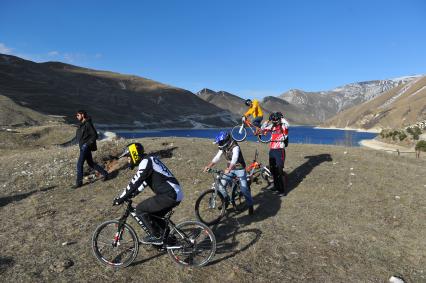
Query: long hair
{"points": [[84, 113]]}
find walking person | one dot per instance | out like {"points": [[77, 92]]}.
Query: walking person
{"points": [[279, 140], [86, 136]]}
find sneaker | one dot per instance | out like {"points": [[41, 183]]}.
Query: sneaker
{"points": [[250, 210], [282, 194], [151, 239]]}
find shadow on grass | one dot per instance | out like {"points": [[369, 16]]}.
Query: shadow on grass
{"points": [[6, 200], [229, 239], [142, 261], [164, 153], [300, 173], [5, 263]]}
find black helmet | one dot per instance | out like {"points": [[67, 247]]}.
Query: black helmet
{"points": [[248, 102], [275, 117], [135, 151], [223, 139]]}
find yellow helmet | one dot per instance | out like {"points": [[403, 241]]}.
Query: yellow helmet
{"points": [[135, 151]]}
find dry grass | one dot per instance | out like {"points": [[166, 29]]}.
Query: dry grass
{"points": [[353, 215]]}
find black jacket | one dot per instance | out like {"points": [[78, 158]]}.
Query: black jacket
{"points": [[86, 134]]}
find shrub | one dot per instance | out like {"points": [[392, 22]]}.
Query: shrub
{"points": [[415, 132], [421, 146], [402, 136]]}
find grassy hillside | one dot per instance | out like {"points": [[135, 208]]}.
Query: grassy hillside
{"points": [[60, 89], [353, 215]]}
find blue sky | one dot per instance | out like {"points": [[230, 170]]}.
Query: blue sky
{"points": [[249, 48]]}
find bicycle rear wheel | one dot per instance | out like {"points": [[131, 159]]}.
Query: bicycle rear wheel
{"points": [[239, 134], [111, 252], [194, 244], [238, 199], [210, 207], [265, 137]]}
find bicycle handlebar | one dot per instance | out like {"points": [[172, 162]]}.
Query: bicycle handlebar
{"points": [[221, 172]]}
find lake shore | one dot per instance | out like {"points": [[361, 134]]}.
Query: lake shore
{"points": [[378, 145], [373, 130]]}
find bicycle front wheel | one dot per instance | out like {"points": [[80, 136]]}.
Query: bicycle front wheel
{"points": [[210, 207], [239, 133], [194, 244], [265, 137], [115, 248]]}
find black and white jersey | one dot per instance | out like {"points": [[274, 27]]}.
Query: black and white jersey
{"points": [[153, 173]]}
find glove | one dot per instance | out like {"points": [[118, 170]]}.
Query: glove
{"points": [[117, 201]]}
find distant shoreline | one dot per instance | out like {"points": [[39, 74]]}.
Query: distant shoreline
{"points": [[376, 131]]}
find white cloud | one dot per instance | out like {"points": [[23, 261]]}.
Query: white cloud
{"points": [[98, 55], [4, 49], [53, 53]]}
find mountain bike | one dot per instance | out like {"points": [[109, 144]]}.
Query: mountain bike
{"points": [[189, 243], [239, 132], [211, 205], [256, 169]]}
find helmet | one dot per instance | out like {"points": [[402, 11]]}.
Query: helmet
{"points": [[248, 102], [275, 117], [135, 152], [223, 139]]}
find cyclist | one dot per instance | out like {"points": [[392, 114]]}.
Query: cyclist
{"points": [[236, 166], [255, 111], [279, 140], [153, 173]]}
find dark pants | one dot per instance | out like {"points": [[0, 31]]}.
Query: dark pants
{"points": [[257, 121], [276, 163], [157, 205], [86, 155]]}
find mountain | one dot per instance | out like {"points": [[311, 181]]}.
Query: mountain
{"points": [[15, 115], [293, 113], [325, 104], [54, 88], [398, 107], [224, 100]]}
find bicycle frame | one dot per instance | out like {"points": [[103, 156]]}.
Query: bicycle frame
{"points": [[131, 211], [218, 178], [246, 123]]}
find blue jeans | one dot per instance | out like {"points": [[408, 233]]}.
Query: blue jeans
{"points": [[257, 121], [242, 176], [86, 155]]}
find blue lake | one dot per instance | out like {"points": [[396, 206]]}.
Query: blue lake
{"points": [[297, 134]]}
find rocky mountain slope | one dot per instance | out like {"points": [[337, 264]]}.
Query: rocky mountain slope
{"points": [[60, 89], [325, 104], [312, 108], [399, 107]]}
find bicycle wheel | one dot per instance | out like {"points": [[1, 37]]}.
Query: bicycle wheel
{"points": [[116, 255], [265, 137], [210, 207], [239, 133], [238, 199], [194, 244]]}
